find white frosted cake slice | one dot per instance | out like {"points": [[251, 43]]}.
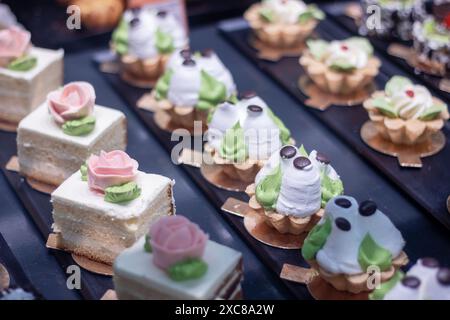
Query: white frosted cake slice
{"points": [[49, 154], [147, 271], [23, 91], [98, 227]]}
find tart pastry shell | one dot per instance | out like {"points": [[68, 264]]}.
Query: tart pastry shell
{"points": [[147, 70], [284, 224], [357, 283]]}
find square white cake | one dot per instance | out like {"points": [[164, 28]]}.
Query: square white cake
{"points": [[100, 230], [49, 155], [137, 277], [22, 92]]}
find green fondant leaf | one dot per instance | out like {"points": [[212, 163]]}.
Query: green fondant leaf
{"points": [[361, 43], [384, 106], [268, 190], [79, 127], [312, 13], [123, 193], [188, 270], [147, 244], [233, 145], [164, 42], [434, 33], [83, 171], [285, 133], [371, 254], [303, 151], [162, 85], [120, 38], [266, 14], [318, 48], [396, 84], [24, 63], [316, 239], [330, 188], [432, 112], [385, 287], [342, 65], [212, 92]]}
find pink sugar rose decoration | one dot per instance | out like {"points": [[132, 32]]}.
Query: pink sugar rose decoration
{"points": [[174, 239], [74, 101], [14, 43], [110, 169]]}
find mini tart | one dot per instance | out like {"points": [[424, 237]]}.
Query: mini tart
{"points": [[357, 283], [278, 35], [183, 117], [399, 131], [284, 224], [146, 70], [336, 82], [245, 171]]}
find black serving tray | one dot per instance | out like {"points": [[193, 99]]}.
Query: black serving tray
{"points": [[17, 276], [39, 207], [427, 186], [273, 258], [335, 11]]}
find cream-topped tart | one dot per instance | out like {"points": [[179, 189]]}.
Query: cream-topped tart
{"points": [[406, 113], [292, 187], [55, 139], [27, 74], [350, 242], [340, 66], [283, 23], [242, 135], [144, 39]]}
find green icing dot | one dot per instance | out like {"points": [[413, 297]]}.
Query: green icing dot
{"points": [[162, 85], [385, 287], [330, 188], [233, 145], [83, 171], [120, 38], [371, 254], [285, 133], [212, 92], [24, 63], [188, 269], [164, 42], [316, 239], [123, 193], [268, 190], [79, 127], [147, 245]]}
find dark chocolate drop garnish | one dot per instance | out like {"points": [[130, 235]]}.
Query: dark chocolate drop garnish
{"points": [[443, 276], [343, 203], [254, 108], [343, 224], [367, 208], [189, 63], [322, 158], [301, 162], [430, 262], [288, 152], [411, 282]]}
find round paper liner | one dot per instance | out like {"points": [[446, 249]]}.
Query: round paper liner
{"points": [[215, 175], [325, 99], [136, 82], [41, 186], [8, 126], [271, 53], [408, 155], [4, 278], [256, 225], [93, 266]]}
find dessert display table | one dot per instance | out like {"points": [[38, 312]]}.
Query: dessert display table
{"points": [[201, 202]]}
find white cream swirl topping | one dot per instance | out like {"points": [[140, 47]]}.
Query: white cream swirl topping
{"points": [[346, 53], [285, 11], [411, 101]]}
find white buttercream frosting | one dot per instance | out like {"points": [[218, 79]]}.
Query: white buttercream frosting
{"points": [[427, 287], [346, 51], [411, 101], [285, 11], [340, 252], [185, 81], [262, 135], [141, 36]]}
